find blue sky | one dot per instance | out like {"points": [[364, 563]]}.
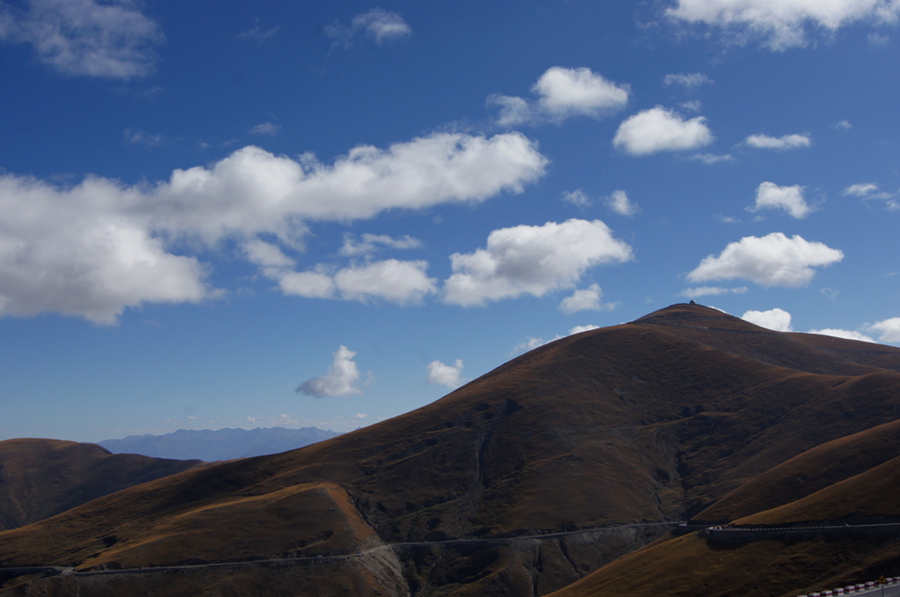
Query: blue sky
{"points": [[231, 214]]}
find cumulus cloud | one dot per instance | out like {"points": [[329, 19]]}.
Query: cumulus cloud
{"points": [[562, 93], [621, 204], [371, 243], [341, 379], [659, 129], [445, 375], [587, 299], [699, 291], [889, 330], [98, 247], [781, 24], [377, 24], [401, 282], [845, 334], [771, 196], [773, 319], [785, 142], [253, 191], [771, 260], [843, 125], [687, 80], [73, 251], [110, 40], [532, 260]]}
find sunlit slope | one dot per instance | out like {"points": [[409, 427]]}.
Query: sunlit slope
{"points": [[649, 421], [42, 477]]}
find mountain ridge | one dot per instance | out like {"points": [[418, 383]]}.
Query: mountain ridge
{"points": [[220, 444], [650, 421]]}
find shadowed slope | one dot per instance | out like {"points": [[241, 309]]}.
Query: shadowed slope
{"points": [[42, 477]]}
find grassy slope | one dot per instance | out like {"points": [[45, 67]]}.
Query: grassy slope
{"points": [[641, 422], [40, 477]]}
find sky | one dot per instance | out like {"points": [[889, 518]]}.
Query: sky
{"points": [[232, 214]]}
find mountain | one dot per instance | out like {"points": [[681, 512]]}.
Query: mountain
{"points": [[556, 472], [40, 477], [223, 444]]}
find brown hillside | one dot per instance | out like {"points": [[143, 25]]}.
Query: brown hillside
{"points": [[643, 422], [808, 473], [42, 477]]}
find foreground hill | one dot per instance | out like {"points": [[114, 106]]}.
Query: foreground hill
{"points": [[221, 444], [40, 477], [580, 440]]}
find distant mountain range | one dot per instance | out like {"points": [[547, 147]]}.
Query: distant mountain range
{"points": [[222, 444], [561, 473]]}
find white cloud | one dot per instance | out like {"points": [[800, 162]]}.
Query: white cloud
{"points": [[562, 93], [445, 375], [84, 37], [781, 24], [96, 248], [699, 291], [513, 110], [869, 191], [72, 251], [710, 158], [253, 191], [865, 190], [771, 260], [396, 281], [309, 284], [773, 319], [378, 24], [785, 142], [532, 342], [621, 204], [771, 196], [371, 243], [266, 128], [401, 282], [688, 80], [658, 129], [889, 330], [266, 254], [578, 198], [843, 125], [692, 105], [845, 334], [339, 381], [532, 260], [382, 25], [588, 299], [566, 92]]}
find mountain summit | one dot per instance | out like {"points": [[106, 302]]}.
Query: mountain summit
{"points": [[533, 478]]}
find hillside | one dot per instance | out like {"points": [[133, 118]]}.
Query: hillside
{"points": [[221, 444], [40, 478], [647, 422]]}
